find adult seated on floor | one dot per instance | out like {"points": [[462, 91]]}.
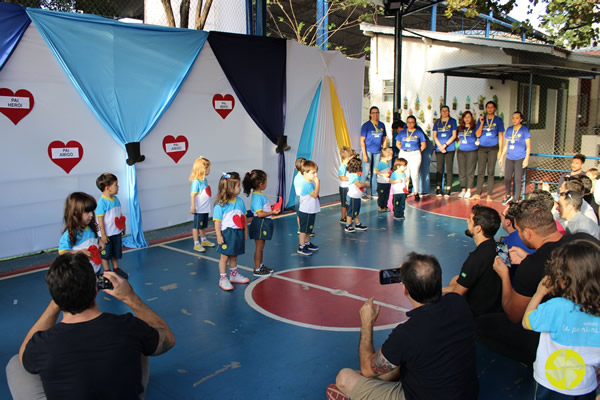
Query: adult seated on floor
{"points": [[430, 356], [588, 187], [546, 200], [513, 239], [503, 332], [477, 280], [576, 170], [574, 185], [569, 205], [89, 354]]}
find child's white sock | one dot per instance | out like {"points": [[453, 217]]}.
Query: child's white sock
{"points": [[233, 271], [223, 276], [203, 239], [196, 242]]}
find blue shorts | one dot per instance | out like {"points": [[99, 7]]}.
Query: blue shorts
{"points": [[200, 221], [234, 242], [343, 196], [353, 207], [261, 228], [114, 248], [307, 222]]}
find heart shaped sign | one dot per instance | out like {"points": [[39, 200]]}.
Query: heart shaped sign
{"points": [[66, 156], [175, 147], [120, 222], [95, 255], [17, 105], [277, 206], [239, 221], [223, 105]]}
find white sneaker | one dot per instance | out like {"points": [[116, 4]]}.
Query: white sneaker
{"points": [[461, 194], [225, 284], [468, 194], [238, 278]]}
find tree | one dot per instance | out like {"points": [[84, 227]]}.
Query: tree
{"points": [[569, 23], [288, 20], [184, 12]]}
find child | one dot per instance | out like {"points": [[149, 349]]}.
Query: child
{"points": [[354, 196], [200, 203], [297, 183], [308, 190], [383, 170], [569, 323], [261, 227], [80, 234], [345, 153], [399, 182], [111, 223], [230, 225]]}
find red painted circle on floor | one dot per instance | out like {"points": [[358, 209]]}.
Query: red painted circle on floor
{"points": [[327, 298]]}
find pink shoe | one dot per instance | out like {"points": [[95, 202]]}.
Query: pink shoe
{"points": [[333, 393]]}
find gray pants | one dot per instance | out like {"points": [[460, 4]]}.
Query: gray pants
{"points": [[467, 160], [515, 166], [445, 161], [486, 159], [26, 386]]}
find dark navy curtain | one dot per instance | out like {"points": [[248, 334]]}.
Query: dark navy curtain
{"points": [[256, 69], [13, 23]]}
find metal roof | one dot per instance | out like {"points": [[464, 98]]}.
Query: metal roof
{"points": [[514, 72]]}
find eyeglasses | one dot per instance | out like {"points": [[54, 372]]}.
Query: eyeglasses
{"points": [[566, 194]]}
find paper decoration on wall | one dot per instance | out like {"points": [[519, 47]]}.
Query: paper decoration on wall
{"points": [[223, 105], [175, 147], [17, 105], [66, 156]]}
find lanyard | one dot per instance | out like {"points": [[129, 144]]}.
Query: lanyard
{"points": [[466, 132], [489, 122], [514, 133], [375, 126], [409, 136], [445, 125]]}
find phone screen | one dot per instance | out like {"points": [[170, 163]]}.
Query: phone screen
{"points": [[388, 276], [502, 252]]}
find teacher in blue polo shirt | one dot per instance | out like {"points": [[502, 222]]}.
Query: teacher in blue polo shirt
{"points": [[490, 138], [517, 147], [411, 141], [373, 138]]}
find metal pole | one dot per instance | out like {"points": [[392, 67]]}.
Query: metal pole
{"points": [[434, 18], [249, 24], [261, 17], [445, 89], [397, 65]]}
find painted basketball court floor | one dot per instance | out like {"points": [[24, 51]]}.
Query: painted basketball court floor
{"points": [[285, 336]]}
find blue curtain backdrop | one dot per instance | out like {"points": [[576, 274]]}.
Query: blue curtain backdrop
{"points": [[248, 61], [307, 139], [13, 23], [128, 75]]}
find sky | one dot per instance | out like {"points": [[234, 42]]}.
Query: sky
{"points": [[520, 12]]}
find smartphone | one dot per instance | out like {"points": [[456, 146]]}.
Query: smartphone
{"points": [[502, 252], [103, 282], [387, 276]]}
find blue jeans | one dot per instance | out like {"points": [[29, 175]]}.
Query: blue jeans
{"points": [[368, 171]]}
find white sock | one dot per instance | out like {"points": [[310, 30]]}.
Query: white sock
{"points": [[203, 239], [196, 242]]}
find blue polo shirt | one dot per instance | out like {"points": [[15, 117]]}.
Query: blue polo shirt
{"points": [[373, 136], [491, 128], [411, 140], [517, 148], [444, 132], [466, 139]]}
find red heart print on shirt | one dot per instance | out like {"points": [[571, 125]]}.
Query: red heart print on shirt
{"points": [[208, 191], [120, 222], [239, 221], [66, 156], [223, 105], [17, 105], [95, 255]]}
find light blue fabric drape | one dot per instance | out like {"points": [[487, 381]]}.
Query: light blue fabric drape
{"points": [[307, 140], [128, 74]]}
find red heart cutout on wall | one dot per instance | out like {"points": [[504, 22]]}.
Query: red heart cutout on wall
{"points": [[239, 221], [223, 105], [175, 147], [66, 156], [17, 105], [208, 191], [95, 257], [120, 222]]}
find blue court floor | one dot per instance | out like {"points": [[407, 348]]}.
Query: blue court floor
{"points": [[283, 337]]}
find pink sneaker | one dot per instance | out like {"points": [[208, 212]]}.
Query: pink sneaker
{"points": [[333, 393], [225, 284]]}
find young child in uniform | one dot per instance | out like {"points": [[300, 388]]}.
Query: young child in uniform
{"points": [[111, 223], [346, 154], [81, 229], [229, 217], [261, 227], [200, 203], [383, 170], [355, 194], [568, 352], [297, 182], [308, 190], [399, 182]]}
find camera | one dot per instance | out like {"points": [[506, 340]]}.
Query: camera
{"points": [[103, 283], [388, 276]]}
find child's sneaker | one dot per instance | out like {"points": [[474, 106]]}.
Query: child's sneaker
{"points": [[360, 227], [349, 228], [199, 248], [207, 243], [263, 271], [121, 273], [342, 220], [225, 284], [333, 393], [311, 246], [238, 278], [399, 218], [302, 250]]}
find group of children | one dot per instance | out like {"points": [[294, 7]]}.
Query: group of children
{"points": [[389, 178]]}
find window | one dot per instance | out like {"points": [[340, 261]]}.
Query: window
{"points": [[388, 90], [535, 102]]}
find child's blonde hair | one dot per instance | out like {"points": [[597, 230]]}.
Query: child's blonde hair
{"points": [[199, 169], [399, 162], [299, 163], [593, 172], [346, 152], [387, 152], [226, 191], [309, 166]]}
